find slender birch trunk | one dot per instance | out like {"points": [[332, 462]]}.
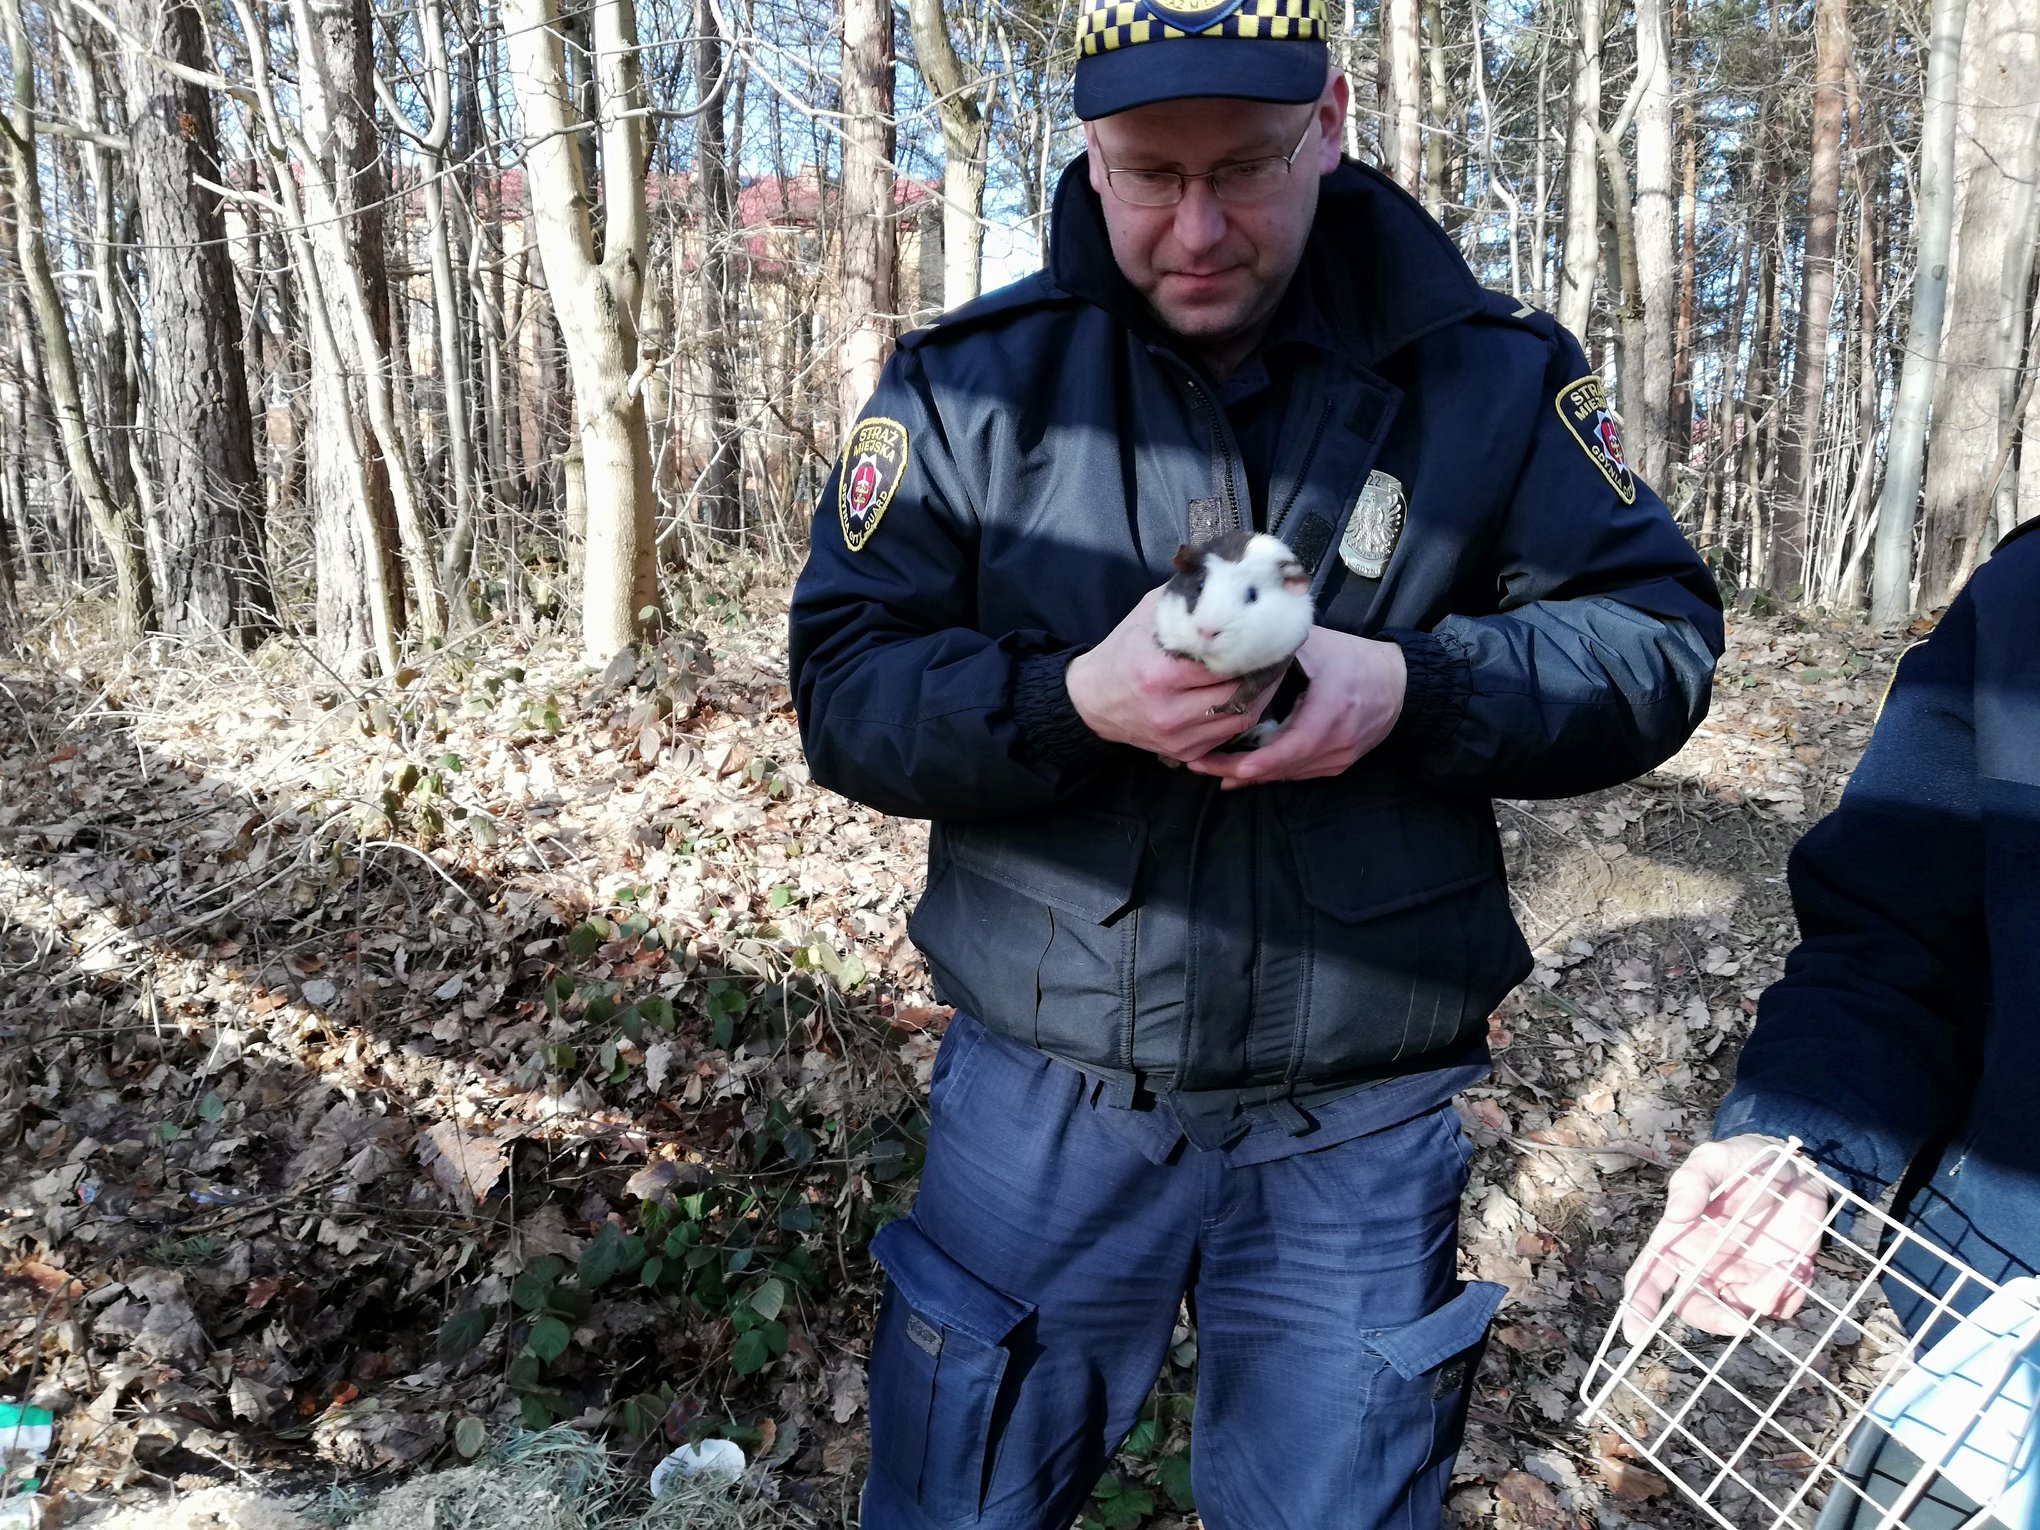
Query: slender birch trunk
{"points": [[116, 523], [1582, 182], [1891, 599], [1985, 328], [870, 228], [966, 136], [596, 296]]}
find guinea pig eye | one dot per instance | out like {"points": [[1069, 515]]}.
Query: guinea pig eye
{"points": [[1252, 594]]}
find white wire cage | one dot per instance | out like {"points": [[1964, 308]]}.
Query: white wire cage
{"points": [[1833, 1419]]}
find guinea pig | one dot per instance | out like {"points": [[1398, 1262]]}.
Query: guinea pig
{"points": [[1240, 605]]}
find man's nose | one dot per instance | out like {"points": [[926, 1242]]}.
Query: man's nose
{"points": [[1200, 217]]}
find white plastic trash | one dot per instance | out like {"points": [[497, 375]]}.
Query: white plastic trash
{"points": [[25, 1431], [720, 1461]]}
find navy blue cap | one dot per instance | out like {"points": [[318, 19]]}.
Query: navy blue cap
{"points": [[1137, 52]]}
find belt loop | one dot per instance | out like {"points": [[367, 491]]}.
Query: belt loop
{"points": [[1289, 1115], [1115, 1090]]}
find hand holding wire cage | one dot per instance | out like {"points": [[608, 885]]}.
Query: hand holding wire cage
{"points": [[1799, 1403]]}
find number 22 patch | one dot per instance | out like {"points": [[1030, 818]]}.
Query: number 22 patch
{"points": [[1584, 408], [874, 462]]}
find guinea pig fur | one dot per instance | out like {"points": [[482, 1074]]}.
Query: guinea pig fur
{"points": [[1237, 604]]}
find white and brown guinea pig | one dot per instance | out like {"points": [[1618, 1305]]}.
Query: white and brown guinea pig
{"points": [[1239, 605]]}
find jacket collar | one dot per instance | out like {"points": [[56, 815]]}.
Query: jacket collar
{"points": [[1383, 272]]}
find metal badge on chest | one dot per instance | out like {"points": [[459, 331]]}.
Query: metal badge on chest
{"points": [[1374, 527]]}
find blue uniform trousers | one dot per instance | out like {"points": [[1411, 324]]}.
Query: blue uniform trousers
{"points": [[1034, 1289]]}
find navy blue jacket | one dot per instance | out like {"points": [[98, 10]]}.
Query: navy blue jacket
{"points": [[1902, 1045], [1560, 636]]}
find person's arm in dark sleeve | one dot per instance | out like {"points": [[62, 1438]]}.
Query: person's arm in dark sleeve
{"points": [[1867, 1047], [1598, 664], [903, 703]]}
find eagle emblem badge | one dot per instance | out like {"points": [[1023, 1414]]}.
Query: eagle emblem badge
{"points": [[1374, 527]]}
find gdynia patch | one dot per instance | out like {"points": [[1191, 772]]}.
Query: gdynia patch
{"points": [[874, 461], [1584, 408]]}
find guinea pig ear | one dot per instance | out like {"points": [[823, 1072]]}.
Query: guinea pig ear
{"points": [[1294, 577], [1188, 559]]}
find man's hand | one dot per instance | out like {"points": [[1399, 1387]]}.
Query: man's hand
{"points": [[1130, 691], [1355, 696], [1762, 1268]]}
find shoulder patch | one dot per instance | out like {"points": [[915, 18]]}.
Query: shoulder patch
{"points": [[2015, 533], [1583, 406], [874, 462]]}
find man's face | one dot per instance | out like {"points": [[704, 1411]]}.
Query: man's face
{"points": [[1213, 271]]}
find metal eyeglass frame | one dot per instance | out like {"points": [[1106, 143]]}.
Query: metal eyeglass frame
{"points": [[1184, 178]]}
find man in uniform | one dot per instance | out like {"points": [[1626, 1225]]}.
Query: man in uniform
{"points": [[1212, 1007], [1899, 1047]]}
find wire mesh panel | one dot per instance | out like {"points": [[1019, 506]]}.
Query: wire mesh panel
{"points": [[1832, 1419]]}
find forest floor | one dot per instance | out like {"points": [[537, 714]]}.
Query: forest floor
{"points": [[384, 1072]]}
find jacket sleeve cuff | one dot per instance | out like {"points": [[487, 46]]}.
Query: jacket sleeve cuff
{"points": [[1435, 694], [1048, 719], [1829, 1138]]}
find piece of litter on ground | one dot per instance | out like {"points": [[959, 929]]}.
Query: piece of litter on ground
{"points": [[710, 1461], [25, 1430]]}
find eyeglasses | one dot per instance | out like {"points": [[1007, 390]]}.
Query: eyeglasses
{"points": [[1243, 183]]}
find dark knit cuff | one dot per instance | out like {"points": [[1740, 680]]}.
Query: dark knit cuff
{"points": [[1435, 696], [1048, 719]]}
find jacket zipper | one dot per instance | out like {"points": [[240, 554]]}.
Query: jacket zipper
{"points": [[1226, 455]]}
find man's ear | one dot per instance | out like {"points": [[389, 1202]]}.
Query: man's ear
{"points": [[1332, 108], [1096, 161]]}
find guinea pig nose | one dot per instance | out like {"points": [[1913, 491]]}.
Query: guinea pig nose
{"points": [[1210, 634]]}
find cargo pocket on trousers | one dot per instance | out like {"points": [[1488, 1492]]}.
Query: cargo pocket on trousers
{"points": [[938, 1363], [1428, 1366]]}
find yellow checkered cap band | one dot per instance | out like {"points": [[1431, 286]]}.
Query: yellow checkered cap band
{"points": [[1105, 26]]}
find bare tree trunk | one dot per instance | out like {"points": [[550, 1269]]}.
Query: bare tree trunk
{"points": [[13, 477], [1441, 111], [109, 377], [1402, 66], [340, 161], [1582, 182], [1648, 417], [596, 298], [1898, 507], [1629, 314], [34, 427], [1801, 420], [869, 226], [1689, 256], [1540, 184], [1984, 333], [2018, 365], [212, 571], [450, 336], [359, 611], [722, 506], [966, 133], [116, 523]]}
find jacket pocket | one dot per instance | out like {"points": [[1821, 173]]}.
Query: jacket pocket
{"points": [[1027, 925], [938, 1363], [1410, 939]]}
